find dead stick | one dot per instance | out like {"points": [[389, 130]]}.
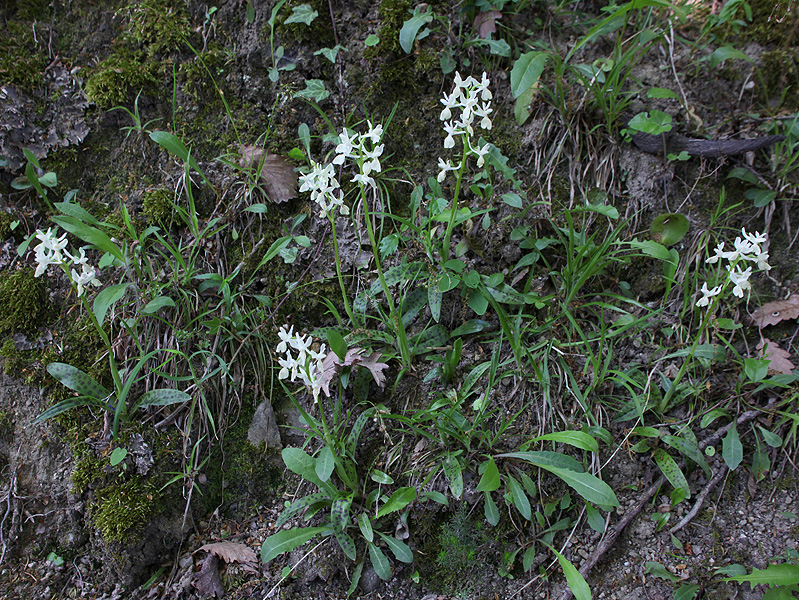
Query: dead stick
{"points": [[700, 499], [607, 543]]}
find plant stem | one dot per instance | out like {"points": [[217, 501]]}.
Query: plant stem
{"points": [[399, 328], [451, 224], [338, 269]]}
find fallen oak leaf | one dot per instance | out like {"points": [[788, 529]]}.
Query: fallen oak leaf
{"points": [[779, 359], [230, 551], [207, 581], [376, 368], [277, 174], [772, 313], [485, 23], [332, 365]]}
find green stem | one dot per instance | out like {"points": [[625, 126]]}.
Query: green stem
{"points": [[338, 270], [451, 224], [399, 328]]}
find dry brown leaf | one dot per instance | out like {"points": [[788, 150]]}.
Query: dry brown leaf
{"points": [[779, 359], [332, 365], [772, 313], [230, 551], [207, 580], [277, 173], [486, 23]]}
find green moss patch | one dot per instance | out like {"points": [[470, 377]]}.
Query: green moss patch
{"points": [[24, 302]]}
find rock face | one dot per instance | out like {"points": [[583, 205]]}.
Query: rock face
{"points": [[263, 428]]}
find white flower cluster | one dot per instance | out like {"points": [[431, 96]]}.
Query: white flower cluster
{"points": [[746, 249], [307, 365], [365, 149], [324, 187], [52, 251], [473, 98]]}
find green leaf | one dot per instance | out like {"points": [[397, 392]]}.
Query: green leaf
{"points": [[303, 13], [578, 439], [77, 380], [434, 297], [490, 509], [725, 53], [453, 471], [689, 449], [595, 519], [162, 397], [668, 229], [250, 12], [490, 480], [672, 471], [657, 570], [346, 543], [399, 500], [576, 581], [783, 574], [399, 549], [325, 463], [371, 40], [314, 90], [171, 143], [588, 486], [653, 123], [436, 497], [527, 71], [731, 448], [653, 249], [379, 562], [771, 439], [659, 92], [106, 298], [519, 498], [299, 505], [286, 541], [365, 525], [337, 343], [378, 476], [156, 304], [410, 30], [89, 234], [756, 369], [69, 404], [76, 211], [711, 416], [545, 459]]}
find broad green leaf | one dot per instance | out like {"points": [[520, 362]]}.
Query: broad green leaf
{"points": [[89, 234], [490, 480], [325, 463], [659, 92], [490, 510], [69, 404], [399, 500], [576, 581], [578, 439], [527, 71], [434, 297], [518, 497], [314, 90], [72, 209], [756, 369], [379, 562], [783, 574], [156, 304], [299, 462], [588, 486], [545, 459], [672, 471], [436, 497], [653, 249], [346, 543], [77, 380], [410, 30], [725, 53], [689, 449], [173, 144], [658, 570], [303, 13], [595, 519], [299, 505], [286, 541], [378, 476], [731, 448], [668, 229], [770, 438], [365, 525], [162, 397], [454, 473], [399, 549]]}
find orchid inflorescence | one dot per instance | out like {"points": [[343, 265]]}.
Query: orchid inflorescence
{"points": [[746, 249], [52, 251], [473, 98], [306, 365]]}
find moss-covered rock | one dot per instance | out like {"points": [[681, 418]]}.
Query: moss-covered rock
{"points": [[24, 302]]}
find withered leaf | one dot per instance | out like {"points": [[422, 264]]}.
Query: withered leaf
{"points": [[332, 365], [207, 580], [780, 359], [485, 22], [230, 551], [277, 174], [772, 313]]}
